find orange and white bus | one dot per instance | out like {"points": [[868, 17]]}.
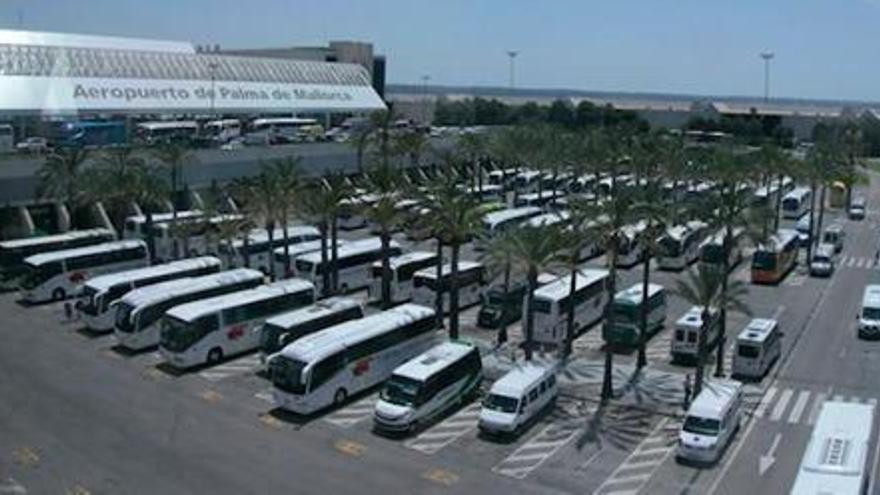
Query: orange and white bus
{"points": [[775, 258]]}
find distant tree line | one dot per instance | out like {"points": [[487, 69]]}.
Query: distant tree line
{"points": [[751, 129], [482, 111], [865, 131]]}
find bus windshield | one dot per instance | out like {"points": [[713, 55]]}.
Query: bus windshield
{"points": [[625, 312], [669, 247], [177, 336], [701, 426], [287, 374], [35, 275], [271, 338], [500, 403], [713, 253], [123, 317], [748, 351], [401, 391], [90, 306], [764, 260], [871, 313]]}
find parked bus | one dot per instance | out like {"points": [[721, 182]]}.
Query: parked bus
{"points": [[296, 250], [500, 220], [259, 251], [139, 313], [354, 261], [222, 131], [471, 284], [680, 245], [712, 251], [796, 203], [88, 134], [351, 215], [488, 193], [59, 274], [193, 237], [552, 303], [95, 305], [7, 139], [327, 367], [683, 345], [836, 458], [773, 259], [629, 250], [500, 307], [135, 225], [527, 181], [279, 130], [281, 330], [13, 252], [428, 386], [758, 346], [626, 310], [151, 133], [501, 177], [539, 199], [203, 332], [402, 268]]}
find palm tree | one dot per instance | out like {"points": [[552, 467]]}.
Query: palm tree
{"points": [[288, 181], [496, 256], [105, 181], [261, 194], [384, 182], [146, 186], [173, 155], [703, 288], [59, 176], [381, 122], [360, 140], [324, 203], [412, 144]]}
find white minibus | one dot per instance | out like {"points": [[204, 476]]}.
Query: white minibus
{"points": [[517, 398], [354, 260], [403, 268], [98, 294], [626, 312], [796, 203], [869, 315], [683, 345], [203, 332], [552, 303], [428, 386], [836, 458], [758, 346], [259, 252], [283, 329], [471, 284], [139, 313], [59, 274], [327, 367], [711, 422], [680, 245]]}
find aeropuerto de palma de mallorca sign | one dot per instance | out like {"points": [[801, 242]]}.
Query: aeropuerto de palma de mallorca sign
{"points": [[52, 94]]}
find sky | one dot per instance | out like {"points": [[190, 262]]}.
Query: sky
{"points": [[823, 48]]}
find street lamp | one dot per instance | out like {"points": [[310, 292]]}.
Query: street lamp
{"points": [[512, 55], [767, 55], [213, 67], [425, 80]]}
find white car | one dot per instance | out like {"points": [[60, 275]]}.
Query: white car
{"points": [[857, 209], [33, 145]]}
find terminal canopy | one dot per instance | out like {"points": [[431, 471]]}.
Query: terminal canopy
{"points": [[55, 73]]}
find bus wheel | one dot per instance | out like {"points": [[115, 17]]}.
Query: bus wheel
{"points": [[215, 355], [340, 397], [58, 294]]}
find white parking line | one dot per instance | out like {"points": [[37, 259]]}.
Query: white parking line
{"points": [[353, 413], [447, 431], [817, 405], [621, 481]]}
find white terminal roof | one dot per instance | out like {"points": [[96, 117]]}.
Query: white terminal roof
{"points": [[515, 382], [191, 311], [104, 282], [41, 258], [38, 38], [318, 310], [560, 288], [421, 367], [173, 288], [321, 344]]}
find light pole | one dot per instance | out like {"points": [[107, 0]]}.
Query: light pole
{"points": [[213, 67], [425, 80], [512, 55], [767, 55]]}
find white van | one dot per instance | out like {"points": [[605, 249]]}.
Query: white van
{"points": [[711, 421], [683, 345], [517, 398], [869, 316], [757, 348], [835, 236]]}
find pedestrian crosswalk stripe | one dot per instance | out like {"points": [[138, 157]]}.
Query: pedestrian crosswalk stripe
{"points": [[765, 402], [817, 404], [798, 409], [781, 404]]}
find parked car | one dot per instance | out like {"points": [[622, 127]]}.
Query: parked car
{"points": [[33, 145], [857, 209], [822, 264]]}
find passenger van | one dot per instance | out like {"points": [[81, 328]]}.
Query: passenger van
{"points": [[869, 317], [834, 235], [757, 348], [683, 345], [516, 399], [711, 421], [428, 385], [822, 264]]}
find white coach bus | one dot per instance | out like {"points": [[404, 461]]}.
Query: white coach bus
{"points": [[293, 252], [139, 313], [283, 329], [59, 274], [796, 203], [195, 236], [680, 245], [205, 331], [259, 251], [403, 268], [471, 284], [327, 367], [136, 225], [836, 457], [552, 302], [98, 294], [354, 260], [14, 251]]}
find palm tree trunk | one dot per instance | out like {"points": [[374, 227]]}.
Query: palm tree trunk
{"points": [[607, 376], [480, 175], [286, 249], [569, 317], [530, 312], [334, 254], [453, 293], [386, 268], [176, 246], [270, 233], [325, 274], [151, 240], [502, 330], [722, 327], [701, 353], [812, 237], [438, 296], [822, 191], [642, 360], [246, 245], [778, 198]]}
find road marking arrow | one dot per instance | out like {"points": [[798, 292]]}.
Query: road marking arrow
{"points": [[768, 459]]}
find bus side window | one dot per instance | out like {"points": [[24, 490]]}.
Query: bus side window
{"points": [[533, 394]]}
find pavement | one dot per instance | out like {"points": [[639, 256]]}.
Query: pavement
{"points": [[78, 416]]}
